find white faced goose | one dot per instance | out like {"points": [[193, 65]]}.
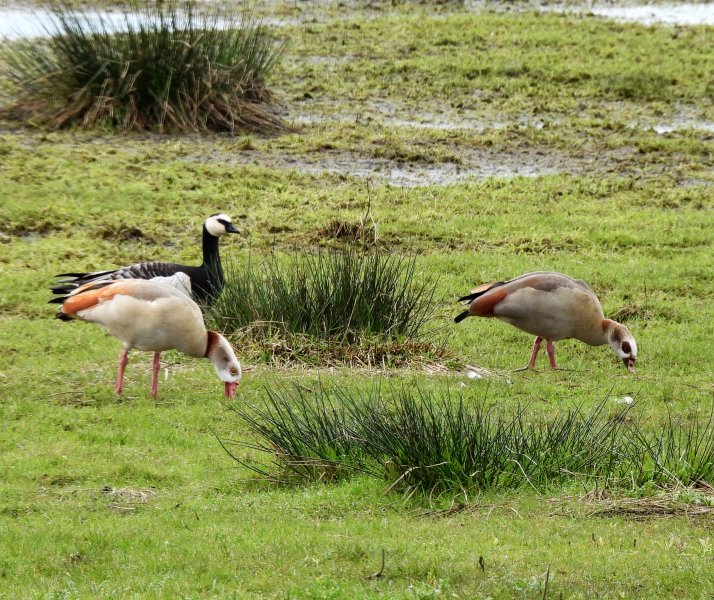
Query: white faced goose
{"points": [[552, 307], [205, 281], [152, 316]]}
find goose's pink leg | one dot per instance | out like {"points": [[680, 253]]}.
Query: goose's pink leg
{"points": [[123, 359], [155, 375], [550, 349], [534, 355]]}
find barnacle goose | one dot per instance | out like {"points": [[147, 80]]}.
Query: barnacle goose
{"points": [[205, 281]]}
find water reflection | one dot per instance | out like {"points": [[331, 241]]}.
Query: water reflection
{"points": [[22, 23], [17, 23], [651, 14]]}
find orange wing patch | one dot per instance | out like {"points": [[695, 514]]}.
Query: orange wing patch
{"points": [[483, 287], [91, 295], [483, 305]]}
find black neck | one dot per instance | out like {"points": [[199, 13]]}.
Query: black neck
{"points": [[210, 249], [212, 265]]}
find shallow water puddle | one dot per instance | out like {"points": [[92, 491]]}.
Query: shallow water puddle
{"points": [[423, 121], [475, 165], [646, 14], [21, 23], [683, 125], [18, 23], [650, 14], [385, 113]]}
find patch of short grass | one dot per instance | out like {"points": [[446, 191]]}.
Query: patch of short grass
{"points": [[511, 62], [171, 67]]}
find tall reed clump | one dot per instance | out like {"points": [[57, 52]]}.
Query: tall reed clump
{"points": [[155, 66], [312, 436], [349, 302], [675, 451], [435, 443]]}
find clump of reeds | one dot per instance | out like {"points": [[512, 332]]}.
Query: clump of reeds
{"points": [[311, 436], [348, 303], [678, 450], [437, 443], [168, 66]]}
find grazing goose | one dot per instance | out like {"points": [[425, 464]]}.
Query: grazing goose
{"points": [[552, 307], [205, 282], [152, 316]]}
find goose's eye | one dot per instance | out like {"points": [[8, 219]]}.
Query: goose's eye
{"points": [[234, 371]]}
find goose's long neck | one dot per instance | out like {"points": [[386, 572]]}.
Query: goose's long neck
{"points": [[605, 331], [210, 249], [211, 259]]}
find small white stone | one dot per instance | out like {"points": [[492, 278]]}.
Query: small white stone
{"points": [[624, 400]]}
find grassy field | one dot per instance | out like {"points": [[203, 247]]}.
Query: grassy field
{"points": [[101, 497]]}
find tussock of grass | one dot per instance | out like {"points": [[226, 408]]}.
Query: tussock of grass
{"points": [[435, 443], [679, 451], [364, 231], [171, 68], [311, 437], [341, 230], [349, 307]]}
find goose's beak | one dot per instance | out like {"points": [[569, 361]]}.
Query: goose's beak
{"points": [[230, 228], [630, 364], [230, 388]]}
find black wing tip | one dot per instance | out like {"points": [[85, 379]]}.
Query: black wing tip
{"points": [[89, 275], [63, 317], [65, 292], [63, 289], [474, 295], [460, 317]]}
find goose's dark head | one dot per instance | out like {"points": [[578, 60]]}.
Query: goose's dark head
{"points": [[219, 224]]}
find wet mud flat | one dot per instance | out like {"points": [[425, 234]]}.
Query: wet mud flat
{"points": [[321, 117], [461, 164], [474, 165]]}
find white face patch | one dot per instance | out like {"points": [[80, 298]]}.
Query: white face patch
{"points": [[623, 343], [214, 225], [225, 362], [229, 370]]}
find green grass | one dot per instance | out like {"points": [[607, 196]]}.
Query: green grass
{"points": [[549, 62], [634, 220]]}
